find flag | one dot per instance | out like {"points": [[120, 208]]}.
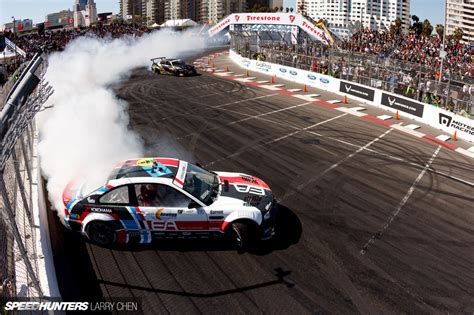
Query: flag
{"points": [[20, 27], [70, 20], [109, 17]]}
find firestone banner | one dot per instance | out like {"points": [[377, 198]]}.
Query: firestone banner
{"points": [[291, 19]]}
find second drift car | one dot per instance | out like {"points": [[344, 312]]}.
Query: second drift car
{"points": [[152, 198], [178, 67]]}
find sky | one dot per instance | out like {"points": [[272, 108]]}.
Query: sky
{"points": [[432, 10]]}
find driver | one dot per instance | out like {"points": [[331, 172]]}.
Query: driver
{"points": [[150, 195]]}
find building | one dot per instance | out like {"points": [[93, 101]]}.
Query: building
{"points": [[20, 26], [460, 13], [346, 16], [212, 11], [133, 8], [85, 13], [181, 9], [64, 18]]}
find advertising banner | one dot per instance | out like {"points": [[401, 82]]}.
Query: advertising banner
{"points": [[357, 90], [403, 104]]}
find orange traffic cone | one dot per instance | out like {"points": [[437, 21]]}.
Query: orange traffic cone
{"points": [[396, 115], [305, 88], [247, 74], [345, 99], [455, 136], [273, 79]]}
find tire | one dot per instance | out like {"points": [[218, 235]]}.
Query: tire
{"points": [[101, 233], [243, 235]]}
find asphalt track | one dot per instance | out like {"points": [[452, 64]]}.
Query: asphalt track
{"points": [[365, 225]]}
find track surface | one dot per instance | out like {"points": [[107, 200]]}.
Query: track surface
{"points": [[359, 230]]}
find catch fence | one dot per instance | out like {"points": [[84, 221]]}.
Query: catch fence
{"points": [[19, 275]]}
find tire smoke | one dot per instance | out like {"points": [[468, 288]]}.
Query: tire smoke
{"points": [[86, 131]]}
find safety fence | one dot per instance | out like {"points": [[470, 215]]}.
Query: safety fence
{"points": [[403, 78], [19, 275]]}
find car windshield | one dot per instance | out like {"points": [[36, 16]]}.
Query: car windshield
{"points": [[179, 63], [201, 183]]}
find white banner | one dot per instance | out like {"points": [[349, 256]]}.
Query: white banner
{"points": [[270, 19], [14, 47]]}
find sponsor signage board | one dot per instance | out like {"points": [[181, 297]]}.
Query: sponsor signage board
{"points": [[457, 123], [290, 19], [403, 104], [357, 90]]}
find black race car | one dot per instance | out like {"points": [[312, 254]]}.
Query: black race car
{"points": [[177, 67]]}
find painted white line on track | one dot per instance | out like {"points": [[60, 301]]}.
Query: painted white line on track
{"points": [[358, 108], [394, 214], [305, 97], [293, 90], [248, 118], [278, 85], [384, 117], [263, 81], [275, 140], [335, 165], [270, 87], [407, 130], [351, 111], [412, 126], [471, 149], [396, 158], [465, 152], [222, 74], [443, 137], [313, 95], [334, 101]]}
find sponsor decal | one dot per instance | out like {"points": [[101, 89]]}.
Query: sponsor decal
{"points": [[217, 212], [145, 162], [449, 121], [293, 72], [357, 90], [158, 213], [219, 26], [263, 66], [403, 105], [313, 30], [262, 18], [168, 215], [237, 18], [101, 210], [245, 62], [90, 200], [311, 77], [292, 18], [282, 70], [324, 80], [180, 211]]}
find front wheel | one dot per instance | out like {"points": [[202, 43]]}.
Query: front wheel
{"points": [[101, 233], [243, 235]]}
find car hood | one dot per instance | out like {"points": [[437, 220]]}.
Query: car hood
{"points": [[244, 190]]}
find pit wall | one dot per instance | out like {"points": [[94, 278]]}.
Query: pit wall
{"points": [[406, 107]]}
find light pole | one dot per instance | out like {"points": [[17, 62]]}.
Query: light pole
{"points": [[442, 52], [14, 38]]}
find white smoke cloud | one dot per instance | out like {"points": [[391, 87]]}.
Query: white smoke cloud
{"points": [[86, 132]]}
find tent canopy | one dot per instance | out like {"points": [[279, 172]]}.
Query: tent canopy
{"points": [[179, 23]]}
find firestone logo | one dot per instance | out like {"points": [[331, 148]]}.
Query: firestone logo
{"points": [[292, 18], [237, 18]]}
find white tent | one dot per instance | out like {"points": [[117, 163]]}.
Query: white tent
{"points": [[179, 23], [155, 25]]}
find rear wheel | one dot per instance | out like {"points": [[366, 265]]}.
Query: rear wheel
{"points": [[101, 233], [244, 235]]}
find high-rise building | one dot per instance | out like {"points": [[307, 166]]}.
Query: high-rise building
{"points": [[182, 9], [460, 13], [85, 14], [132, 8], [343, 16], [212, 11], [154, 11]]}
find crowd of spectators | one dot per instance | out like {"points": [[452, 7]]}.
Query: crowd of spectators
{"points": [[56, 40], [416, 49]]}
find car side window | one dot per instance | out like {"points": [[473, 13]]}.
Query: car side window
{"points": [[157, 195], [118, 195]]}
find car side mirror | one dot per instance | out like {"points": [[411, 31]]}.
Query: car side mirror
{"points": [[193, 204]]}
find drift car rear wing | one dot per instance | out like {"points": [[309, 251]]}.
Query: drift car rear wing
{"points": [[153, 59]]}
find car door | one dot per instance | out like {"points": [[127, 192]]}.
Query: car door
{"points": [[167, 211]]}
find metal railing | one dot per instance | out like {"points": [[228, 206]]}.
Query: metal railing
{"points": [[409, 80], [18, 255]]}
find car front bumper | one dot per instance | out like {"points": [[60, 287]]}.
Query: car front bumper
{"points": [[268, 225]]}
